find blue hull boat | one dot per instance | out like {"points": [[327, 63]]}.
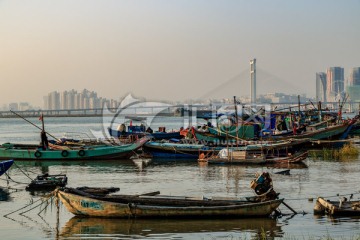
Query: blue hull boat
{"points": [[155, 135], [5, 165]]}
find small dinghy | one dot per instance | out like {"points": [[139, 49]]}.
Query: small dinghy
{"points": [[342, 207], [47, 182]]}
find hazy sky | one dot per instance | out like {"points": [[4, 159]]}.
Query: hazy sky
{"points": [[172, 49]]}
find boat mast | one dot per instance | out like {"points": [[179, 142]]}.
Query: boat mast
{"points": [[236, 121]]}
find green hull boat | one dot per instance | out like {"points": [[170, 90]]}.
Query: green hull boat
{"points": [[87, 152]]}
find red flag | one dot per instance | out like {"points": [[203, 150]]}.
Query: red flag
{"points": [[41, 117]]}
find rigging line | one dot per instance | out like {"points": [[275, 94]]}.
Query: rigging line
{"points": [[339, 195], [48, 201], [224, 84], [265, 76], [33, 124], [43, 200], [9, 178], [22, 208], [23, 171]]}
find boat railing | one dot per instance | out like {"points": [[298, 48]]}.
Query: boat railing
{"points": [[81, 136]]}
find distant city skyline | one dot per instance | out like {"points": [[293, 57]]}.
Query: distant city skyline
{"points": [[172, 50], [333, 85], [72, 99]]}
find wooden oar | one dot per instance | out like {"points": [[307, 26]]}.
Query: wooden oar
{"points": [[289, 208], [150, 193]]}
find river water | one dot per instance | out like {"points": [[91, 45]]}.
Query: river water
{"points": [[316, 177]]}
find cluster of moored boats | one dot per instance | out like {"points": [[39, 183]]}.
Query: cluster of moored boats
{"points": [[281, 139], [285, 138]]}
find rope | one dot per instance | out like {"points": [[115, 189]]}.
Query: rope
{"points": [[22, 208], [338, 195], [48, 203], [9, 178], [32, 207], [137, 155], [22, 171]]}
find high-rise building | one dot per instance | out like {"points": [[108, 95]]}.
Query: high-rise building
{"points": [[64, 100], [73, 100], [334, 83], [354, 87], [321, 86], [355, 76], [54, 100]]}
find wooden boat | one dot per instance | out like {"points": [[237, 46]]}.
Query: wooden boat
{"points": [[47, 182], [355, 130], [343, 207], [86, 152], [192, 150], [244, 131], [5, 165], [265, 152], [140, 132], [175, 150], [317, 131], [141, 206], [250, 157]]}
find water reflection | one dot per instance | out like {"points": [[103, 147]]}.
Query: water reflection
{"points": [[98, 163], [335, 220], [89, 227], [4, 194], [141, 163]]}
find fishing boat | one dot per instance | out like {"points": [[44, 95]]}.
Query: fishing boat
{"points": [[143, 206], [140, 131], [288, 151], [5, 165], [82, 202], [176, 149], [47, 182], [355, 131], [85, 152], [318, 131], [229, 156], [342, 207]]}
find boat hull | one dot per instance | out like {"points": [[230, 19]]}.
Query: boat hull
{"points": [[155, 135], [330, 132], [296, 158], [174, 150], [101, 152], [86, 206]]}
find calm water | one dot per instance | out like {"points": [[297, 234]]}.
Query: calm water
{"points": [[312, 179]]}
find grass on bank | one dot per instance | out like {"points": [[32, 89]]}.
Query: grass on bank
{"points": [[348, 150]]}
